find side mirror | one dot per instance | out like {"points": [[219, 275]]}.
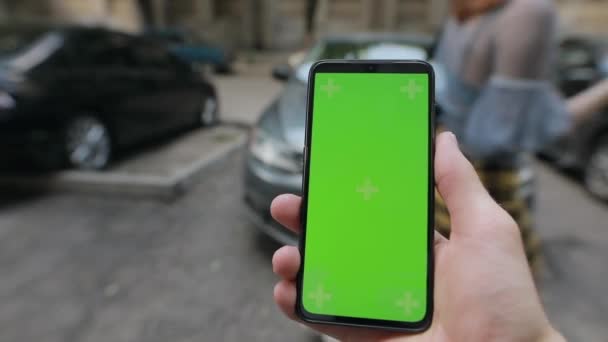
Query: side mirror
{"points": [[281, 72]]}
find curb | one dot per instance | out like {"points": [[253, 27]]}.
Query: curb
{"points": [[123, 184]]}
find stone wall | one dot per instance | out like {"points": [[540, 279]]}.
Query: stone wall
{"points": [[278, 24], [584, 16], [119, 14], [274, 24], [341, 16]]}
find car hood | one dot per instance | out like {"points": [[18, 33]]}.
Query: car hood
{"points": [[285, 119]]}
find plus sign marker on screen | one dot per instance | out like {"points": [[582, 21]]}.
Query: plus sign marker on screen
{"points": [[366, 227]]}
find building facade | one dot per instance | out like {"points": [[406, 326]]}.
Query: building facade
{"points": [[119, 14], [245, 23], [274, 24], [584, 16], [286, 19]]}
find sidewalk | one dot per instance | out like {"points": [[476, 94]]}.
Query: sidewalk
{"points": [[244, 95]]}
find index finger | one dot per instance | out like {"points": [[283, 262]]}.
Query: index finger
{"points": [[286, 210]]}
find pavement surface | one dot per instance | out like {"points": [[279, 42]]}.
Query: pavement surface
{"points": [[574, 231], [93, 268], [80, 268], [244, 97], [172, 156]]}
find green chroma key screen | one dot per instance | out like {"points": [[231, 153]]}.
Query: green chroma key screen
{"points": [[367, 213]]}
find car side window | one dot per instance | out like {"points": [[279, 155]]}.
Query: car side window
{"points": [[339, 50], [149, 54], [100, 50], [576, 54], [59, 59]]}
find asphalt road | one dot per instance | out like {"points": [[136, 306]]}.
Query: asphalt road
{"points": [[91, 268], [574, 232], [78, 268]]}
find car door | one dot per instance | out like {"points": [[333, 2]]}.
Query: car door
{"points": [[189, 92], [169, 96], [106, 85]]}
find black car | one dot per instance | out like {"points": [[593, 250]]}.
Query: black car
{"points": [[73, 96], [582, 62]]}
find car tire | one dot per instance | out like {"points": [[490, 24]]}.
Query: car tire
{"points": [[596, 170], [87, 143], [209, 113]]}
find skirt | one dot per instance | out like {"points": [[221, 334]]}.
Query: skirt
{"points": [[505, 185]]}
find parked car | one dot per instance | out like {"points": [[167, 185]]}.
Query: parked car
{"points": [[275, 151], [196, 50], [73, 96], [582, 62]]}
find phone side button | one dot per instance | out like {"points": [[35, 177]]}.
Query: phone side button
{"points": [[304, 163]]}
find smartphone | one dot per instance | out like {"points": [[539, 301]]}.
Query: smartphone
{"points": [[368, 194]]}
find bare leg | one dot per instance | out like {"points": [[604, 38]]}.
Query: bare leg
{"points": [[589, 101]]}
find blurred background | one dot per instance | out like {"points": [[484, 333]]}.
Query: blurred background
{"points": [[142, 141]]}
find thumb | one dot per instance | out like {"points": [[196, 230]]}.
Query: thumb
{"points": [[459, 185]]}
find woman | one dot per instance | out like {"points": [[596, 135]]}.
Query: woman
{"points": [[497, 56]]}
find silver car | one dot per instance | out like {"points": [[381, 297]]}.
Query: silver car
{"points": [[275, 152]]}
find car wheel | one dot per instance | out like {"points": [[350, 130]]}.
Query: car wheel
{"points": [[88, 144], [596, 170], [209, 114]]}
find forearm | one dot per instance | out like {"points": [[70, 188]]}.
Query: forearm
{"points": [[589, 101]]}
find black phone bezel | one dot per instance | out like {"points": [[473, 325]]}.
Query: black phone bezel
{"points": [[369, 66]]}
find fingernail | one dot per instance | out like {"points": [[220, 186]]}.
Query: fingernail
{"points": [[452, 136], [274, 268]]}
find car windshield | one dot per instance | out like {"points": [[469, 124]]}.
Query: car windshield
{"points": [[293, 99], [360, 50], [25, 49], [603, 63], [292, 104]]}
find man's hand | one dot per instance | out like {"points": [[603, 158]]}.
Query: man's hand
{"points": [[483, 287]]}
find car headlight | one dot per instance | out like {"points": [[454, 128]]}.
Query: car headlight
{"points": [[6, 100], [274, 153]]}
